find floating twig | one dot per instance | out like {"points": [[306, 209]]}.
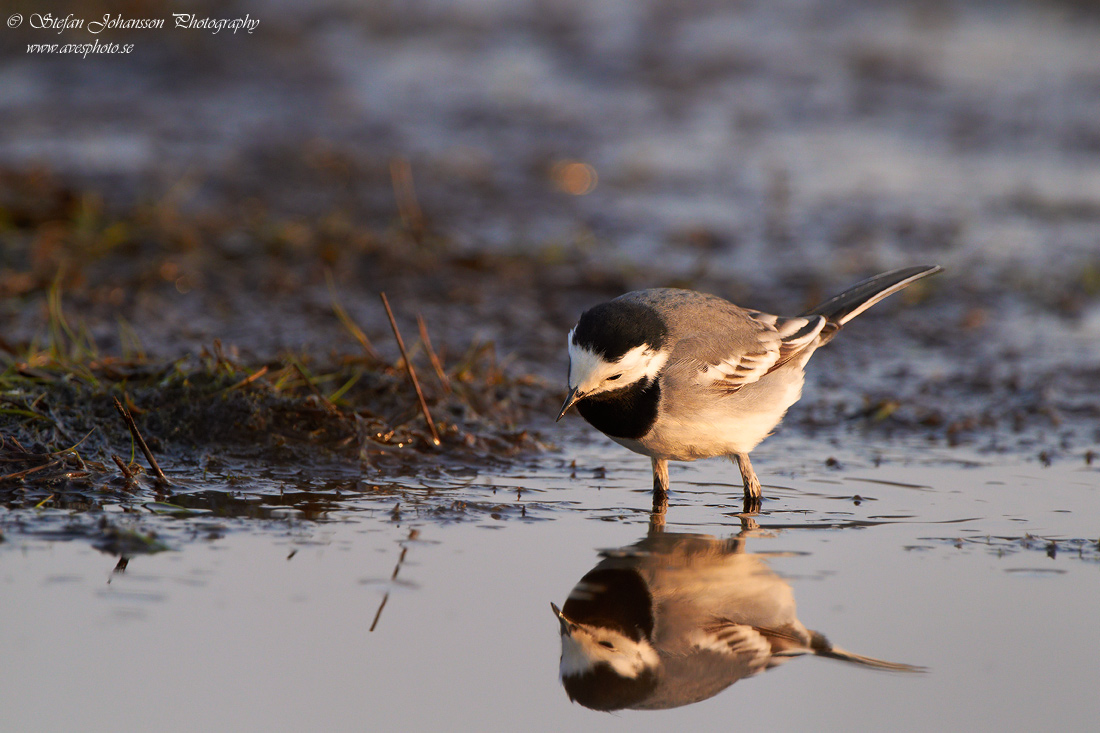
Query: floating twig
{"points": [[413, 534], [161, 478], [436, 364], [378, 613], [412, 372]]}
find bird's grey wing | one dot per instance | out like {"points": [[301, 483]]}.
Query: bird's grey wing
{"points": [[765, 647], [786, 641], [740, 347], [734, 641], [795, 334]]}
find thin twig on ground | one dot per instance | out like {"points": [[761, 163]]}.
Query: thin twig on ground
{"points": [[161, 478], [437, 365], [411, 371], [126, 472], [21, 474]]}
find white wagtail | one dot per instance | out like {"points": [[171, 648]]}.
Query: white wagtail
{"points": [[677, 618], [679, 375]]}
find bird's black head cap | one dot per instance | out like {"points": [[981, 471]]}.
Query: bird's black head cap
{"points": [[614, 598], [613, 328]]}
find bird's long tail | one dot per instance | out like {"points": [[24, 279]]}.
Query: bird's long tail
{"points": [[860, 297], [822, 648]]}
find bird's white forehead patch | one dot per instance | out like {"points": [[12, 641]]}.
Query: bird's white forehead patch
{"points": [[583, 365], [574, 660], [581, 651], [587, 370]]}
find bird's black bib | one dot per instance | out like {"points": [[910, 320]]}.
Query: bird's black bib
{"points": [[625, 413]]}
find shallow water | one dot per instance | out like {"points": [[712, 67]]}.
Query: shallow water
{"points": [[980, 568]]}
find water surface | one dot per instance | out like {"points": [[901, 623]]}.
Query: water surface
{"points": [[981, 569]]}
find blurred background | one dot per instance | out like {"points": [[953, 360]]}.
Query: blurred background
{"points": [[501, 164]]}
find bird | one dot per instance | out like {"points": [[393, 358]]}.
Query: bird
{"points": [[680, 375], [675, 619]]}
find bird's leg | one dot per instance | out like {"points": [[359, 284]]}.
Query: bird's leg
{"points": [[660, 485], [748, 476], [657, 521], [752, 484]]}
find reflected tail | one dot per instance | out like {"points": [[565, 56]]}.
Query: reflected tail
{"points": [[822, 648]]}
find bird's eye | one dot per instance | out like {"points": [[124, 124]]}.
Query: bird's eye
{"points": [[613, 377], [607, 645]]}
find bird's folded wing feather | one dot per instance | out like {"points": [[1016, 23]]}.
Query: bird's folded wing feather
{"points": [[751, 648], [746, 349]]}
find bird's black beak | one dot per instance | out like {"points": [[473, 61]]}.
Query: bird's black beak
{"points": [[567, 626], [569, 402]]}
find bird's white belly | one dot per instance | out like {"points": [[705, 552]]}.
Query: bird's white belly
{"points": [[708, 426]]}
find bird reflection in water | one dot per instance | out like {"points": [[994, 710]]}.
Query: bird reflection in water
{"points": [[676, 618]]}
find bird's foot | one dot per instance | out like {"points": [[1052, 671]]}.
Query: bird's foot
{"points": [[753, 494], [752, 487]]}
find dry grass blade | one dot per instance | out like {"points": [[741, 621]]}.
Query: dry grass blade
{"points": [[312, 387], [408, 208], [248, 380], [129, 419], [348, 323], [432, 357], [72, 448], [411, 370], [21, 474]]}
